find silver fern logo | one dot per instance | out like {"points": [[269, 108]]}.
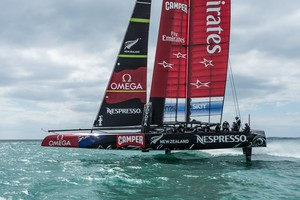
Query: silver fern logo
{"points": [[155, 139], [129, 44]]}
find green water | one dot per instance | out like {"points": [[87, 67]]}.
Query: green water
{"points": [[29, 171]]}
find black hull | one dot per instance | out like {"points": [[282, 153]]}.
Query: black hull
{"points": [[159, 141]]}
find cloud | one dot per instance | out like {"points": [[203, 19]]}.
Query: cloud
{"points": [[55, 61], [56, 58]]}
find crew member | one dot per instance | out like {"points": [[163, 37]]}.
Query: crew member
{"points": [[180, 128], [225, 126], [247, 128], [218, 127], [238, 122], [206, 128], [235, 127]]}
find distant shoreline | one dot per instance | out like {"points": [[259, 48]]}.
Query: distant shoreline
{"points": [[283, 137]]}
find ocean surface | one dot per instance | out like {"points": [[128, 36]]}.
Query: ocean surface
{"points": [[29, 171]]}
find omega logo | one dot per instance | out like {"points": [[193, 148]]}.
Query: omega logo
{"points": [[126, 78], [126, 84], [60, 137]]}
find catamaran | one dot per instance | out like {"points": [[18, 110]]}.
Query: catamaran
{"points": [[188, 85]]}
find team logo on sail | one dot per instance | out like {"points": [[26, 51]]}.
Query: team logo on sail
{"points": [[129, 44], [169, 5]]}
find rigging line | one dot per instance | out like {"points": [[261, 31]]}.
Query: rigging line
{"points": [[233, 88]]}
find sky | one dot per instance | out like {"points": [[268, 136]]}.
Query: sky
{"points": [[56, 57]]}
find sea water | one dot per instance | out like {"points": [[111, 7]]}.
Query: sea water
{"points": [[29, 171]]}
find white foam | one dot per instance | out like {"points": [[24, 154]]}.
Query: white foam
{"points": [[2, 198], [275, 147], [220, 152], [282, 148]]}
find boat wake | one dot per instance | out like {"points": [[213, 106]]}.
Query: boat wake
{"points": [[282, 148]]}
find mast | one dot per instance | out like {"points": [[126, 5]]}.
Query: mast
{"points": [[188, 99]]}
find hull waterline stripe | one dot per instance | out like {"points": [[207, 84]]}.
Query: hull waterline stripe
{"points": [[132, 56], [140, 20], [125, 91]]}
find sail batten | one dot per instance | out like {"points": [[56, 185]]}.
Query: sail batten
{"points": [[140, 20], [132, 56], [144, 2]]}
